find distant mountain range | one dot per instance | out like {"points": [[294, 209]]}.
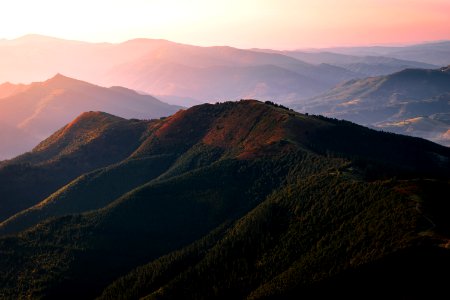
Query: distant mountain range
{"points": [[190, 75], [175, 72], [32, 112], [413, 101], [364, 65], [238, 200], [436, 53]]}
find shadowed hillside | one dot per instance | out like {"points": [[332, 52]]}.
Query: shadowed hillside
{"points": [[233, 200], [91, 141]]}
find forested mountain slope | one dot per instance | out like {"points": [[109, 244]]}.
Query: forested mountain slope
{"points": [[233, 200]]}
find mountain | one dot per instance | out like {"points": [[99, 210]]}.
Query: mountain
{"points": [[220, 83], [375, 66], [233, 200], [170, 70], [206, 73], [391, 102], [436, 53], [41, 108], [91, 141], [15, 141], [9, 89], [49, 56], [362, 66], [188, 75], [428, 127]]}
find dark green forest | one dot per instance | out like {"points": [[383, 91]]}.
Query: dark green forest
{"points": [[237, 200]]}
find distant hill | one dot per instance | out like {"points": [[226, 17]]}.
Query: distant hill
{"points": [[172, 70], [15, 141], [208, 73], [9, 89], [362, 66], [436, 53], [237, 200], [86, 61], [187, 74], [40, 108], [431, 127], [391, 102]]}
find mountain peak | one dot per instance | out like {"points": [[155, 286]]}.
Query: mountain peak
{"points": [[86, 119], [58, 77], [62, 81], [84, 128], [41, 39]]}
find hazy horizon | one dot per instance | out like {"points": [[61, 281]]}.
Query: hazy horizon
{"points": [[393, 44], [271, 24]]}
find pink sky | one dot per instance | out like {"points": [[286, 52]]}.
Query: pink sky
{"points": [[281, 24]]}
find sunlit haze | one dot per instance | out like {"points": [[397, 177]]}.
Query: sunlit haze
{"points": [[280, 24]]}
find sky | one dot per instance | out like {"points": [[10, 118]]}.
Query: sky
{"points": [[276, 24]]}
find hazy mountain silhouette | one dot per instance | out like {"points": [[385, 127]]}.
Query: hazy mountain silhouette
{"points": [[163, 67], [255, 199], [362, 66], [86, 61], [206, 73], [412, 101], [437, 53], [177, 71], [10, 89], [15, 141], [41, 108]]}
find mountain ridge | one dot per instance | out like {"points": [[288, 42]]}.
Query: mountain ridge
{"points": [[395, 98], [72, 151], [40, 108], [150, 67], [219, 136], [280, 199]]}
